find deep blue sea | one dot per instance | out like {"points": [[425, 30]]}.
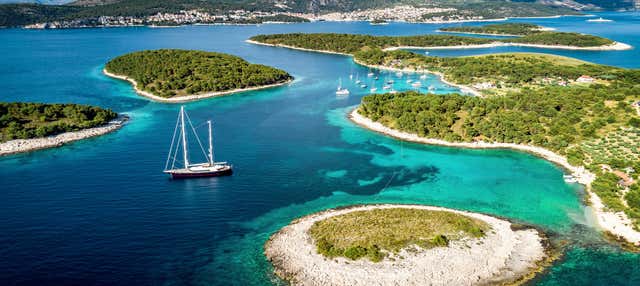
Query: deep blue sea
{"points": [[101, 212]]}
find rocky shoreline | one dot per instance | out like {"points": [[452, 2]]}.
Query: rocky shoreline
{"points": [[506, 254], [618, 224], [28, 145], [182, 99]]}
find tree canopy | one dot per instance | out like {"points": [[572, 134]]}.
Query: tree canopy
{"points": [[29, 120], [170, 73], [351, 43]]}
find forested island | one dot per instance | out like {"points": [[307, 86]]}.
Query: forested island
{"points": [[404, 245], [351, 43], [30, 120], [533, 34], [519, 29], [31, 126], [578, 113], [180, 75]]}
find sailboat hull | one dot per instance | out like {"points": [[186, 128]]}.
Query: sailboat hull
{"points": [[186, 174]]}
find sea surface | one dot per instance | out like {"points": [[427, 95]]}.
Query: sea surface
{"points": [[101, 212]]}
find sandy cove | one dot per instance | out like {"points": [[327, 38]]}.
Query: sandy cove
{"points": [[504, 255], [187, 98], [615, 46], [27, 145], [617, 224]]}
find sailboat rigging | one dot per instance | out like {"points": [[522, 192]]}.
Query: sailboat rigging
{"points": [[211, 168]]}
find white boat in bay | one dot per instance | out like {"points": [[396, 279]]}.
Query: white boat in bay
{"points": [[424, 76], [373, 89], [340, 90], [599, 20], [210, 168], [570, 179]]}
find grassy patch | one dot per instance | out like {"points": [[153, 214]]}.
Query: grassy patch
{"points": [[375, 232]]}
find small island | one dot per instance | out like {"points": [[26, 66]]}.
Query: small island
{"points": [[175, 76], [404, 245], [351, 43], [538, 36], [505, 29], [31, 126]]}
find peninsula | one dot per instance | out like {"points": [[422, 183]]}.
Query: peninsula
{"points": [[582, 116], [404, 245], [351, 43], [175, 76], [504, 29], [31, 126]]}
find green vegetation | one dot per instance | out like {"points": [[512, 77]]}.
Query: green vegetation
{"points": [[374, 233], [282, 18], [621, 143], [504, 70], [562, 39], [520, 29], [30, 120], [351, 43], [532, 34], [170, 73]]}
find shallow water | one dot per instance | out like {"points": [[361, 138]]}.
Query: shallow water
{"points": [[101, 212]]}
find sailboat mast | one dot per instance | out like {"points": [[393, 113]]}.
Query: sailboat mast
{"points": [[184, 138], [210, 144]]}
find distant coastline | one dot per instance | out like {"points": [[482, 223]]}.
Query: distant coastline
{"points": [[33, 144], [187, 98]]}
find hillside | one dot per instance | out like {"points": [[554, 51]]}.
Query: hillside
{"points": [[85, 12]]}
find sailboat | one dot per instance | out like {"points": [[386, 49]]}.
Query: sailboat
{"points": [[340, 90], [600, 20], [210, 168]]}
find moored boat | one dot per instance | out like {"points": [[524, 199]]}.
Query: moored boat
{"points": [[340, 90], [210, 168]]}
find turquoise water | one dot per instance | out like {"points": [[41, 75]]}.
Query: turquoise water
{"points": [[100, 212]]}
